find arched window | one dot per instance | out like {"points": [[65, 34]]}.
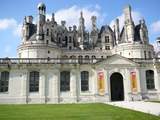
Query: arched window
{"points": [[150, 79], [80, 59], [84, 81], [65, 57], [34, 81], [4, 81], [64, 81], [93, 57], [86, 57], [74, 57]]}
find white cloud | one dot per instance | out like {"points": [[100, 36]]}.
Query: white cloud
{"points": [[7, 49], [10, 24], [135, 15], [7, 23], [17, 30], [155, 27], [71, 15]]}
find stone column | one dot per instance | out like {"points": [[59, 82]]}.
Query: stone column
{"points": [[55, 87], [73, 84], [42, 80], [78, 82], [138, 81], [157, 78], [25, 90]]}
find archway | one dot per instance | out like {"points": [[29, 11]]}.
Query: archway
{"points": [[117, 89]]}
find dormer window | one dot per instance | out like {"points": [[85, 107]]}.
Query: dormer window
{"points": [[107, 47], [47, 32], [106, 39]]}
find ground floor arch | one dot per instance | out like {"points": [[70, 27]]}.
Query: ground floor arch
{"points": [[116, 87]]}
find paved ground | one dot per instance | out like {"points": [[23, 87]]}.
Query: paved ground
{"points": [[146, 107]]}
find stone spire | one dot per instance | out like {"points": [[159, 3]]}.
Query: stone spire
{"points": [[41, 20], [129, 24], [143, 31], [81, 30], [81, 22], [116, 30], [53, 19], [94, 25]]}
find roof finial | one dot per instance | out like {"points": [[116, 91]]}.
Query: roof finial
{"points": [[81, 13]]}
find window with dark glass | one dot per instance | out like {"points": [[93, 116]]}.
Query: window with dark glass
{"points": [[107, 47], [4, 80], [70, 39], [84, 80], [106, 39], [80, 59], [34, 81], [47, 32], [145, 55], [47, 42], [66, 41], [87, 57], [149, 54], [150, 79], [64, 81], [59, 40], [93, 57]]}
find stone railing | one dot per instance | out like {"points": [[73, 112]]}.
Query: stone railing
{"points": [[49, 61], [66, 60]]}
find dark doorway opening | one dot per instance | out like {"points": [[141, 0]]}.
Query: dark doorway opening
{"points": [[117, 89]]}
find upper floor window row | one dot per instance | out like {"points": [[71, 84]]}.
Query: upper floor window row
{"points": [[4, 81]]}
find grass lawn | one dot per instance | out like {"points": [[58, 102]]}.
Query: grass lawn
{"points": [[154, 101], [70, 112]]}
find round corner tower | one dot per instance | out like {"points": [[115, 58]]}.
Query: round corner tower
{"points": [[37, 40]]}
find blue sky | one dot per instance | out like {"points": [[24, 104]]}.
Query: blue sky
{"points": [[13, 12]]}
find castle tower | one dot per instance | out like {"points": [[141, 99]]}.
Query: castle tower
{"points": [[26, 28], [129, 24], [116, 30], [81, 30], [94, 31], [53, 18], [143, 32], [41, 20], [94, 26]]}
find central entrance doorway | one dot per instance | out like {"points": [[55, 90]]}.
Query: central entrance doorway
{"points": [[117, 89]]}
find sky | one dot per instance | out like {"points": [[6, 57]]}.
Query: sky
{"points": [[13, 12]]}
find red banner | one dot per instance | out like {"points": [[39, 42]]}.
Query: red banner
{"points": [[101, 84], [133, 81]]}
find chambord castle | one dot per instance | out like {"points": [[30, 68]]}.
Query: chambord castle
{"points": [[57, 64]]}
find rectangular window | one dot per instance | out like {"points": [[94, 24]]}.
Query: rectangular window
{"points": [[150, 79], [84, 80], [107, 47], [47, 32], [34, 81], [145, 55], [70, 39], [149, 54], [4, 80], [106, 39], [64, 81]]}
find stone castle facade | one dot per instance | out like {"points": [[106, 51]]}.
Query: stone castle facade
{"points": [[57, 64]]}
